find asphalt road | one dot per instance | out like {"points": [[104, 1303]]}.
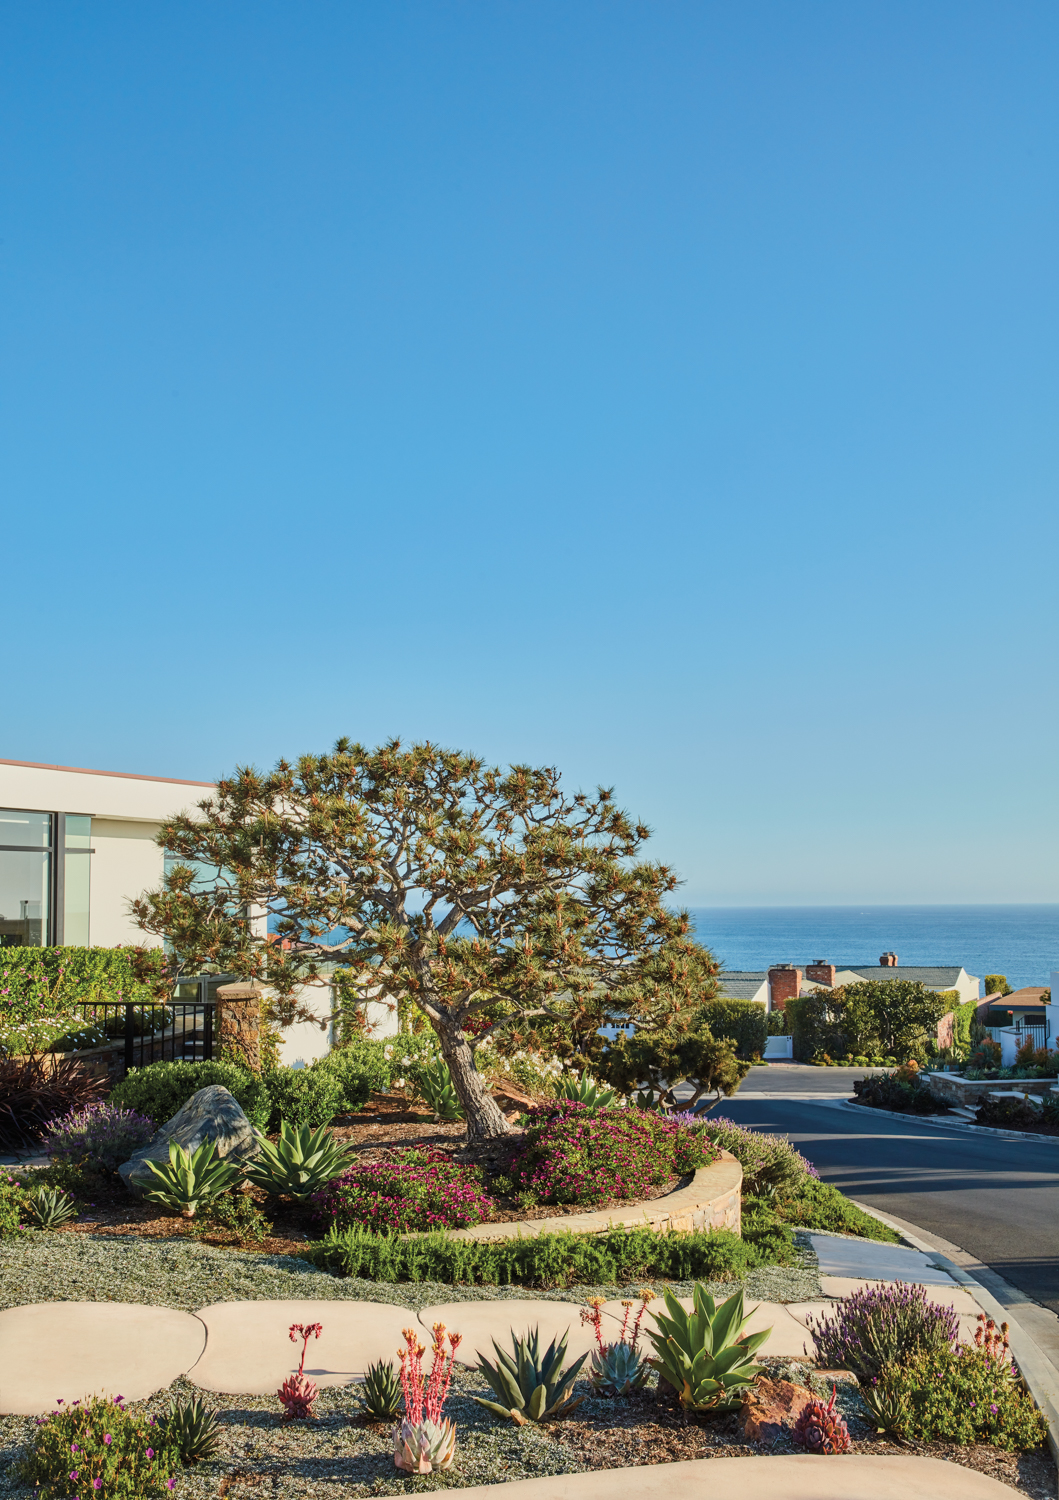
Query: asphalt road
{"points": [[997, 1198]]}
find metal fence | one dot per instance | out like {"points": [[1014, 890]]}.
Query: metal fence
{"points": [[178, 1030], [1027, 1031]]}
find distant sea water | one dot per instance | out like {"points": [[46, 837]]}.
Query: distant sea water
{"points": [[1019, 941]]}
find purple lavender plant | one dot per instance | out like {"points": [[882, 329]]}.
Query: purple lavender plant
{"points": [[886, 1325], [100, 1135]]}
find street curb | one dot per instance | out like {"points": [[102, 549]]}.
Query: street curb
{"points": [[1039, 1374], [936, 1122]]}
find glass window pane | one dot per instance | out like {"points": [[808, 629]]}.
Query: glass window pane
{"points": [[78, 831], [30, 829], [75, 898], [25, 880]]}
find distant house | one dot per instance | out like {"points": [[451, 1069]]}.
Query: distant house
{"points": [[1022, 1009], [775, 986]]}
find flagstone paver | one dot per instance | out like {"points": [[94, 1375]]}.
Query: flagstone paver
{"points": [[249, 1351], [69, 1350]]}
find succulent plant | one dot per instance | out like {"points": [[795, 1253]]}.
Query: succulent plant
{"points": [[702, 1354], [48, 1208], [191, 1178], [531, 1388], [584, 1090], [618, 1370], [193, 1429], [420, 1447], [438, 1089], [888, 1406], [821, 1429], [382, 1392], [298, 1393], [299, 1164]]}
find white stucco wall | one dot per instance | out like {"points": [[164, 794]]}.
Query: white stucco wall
{"points": [[126, 862]]}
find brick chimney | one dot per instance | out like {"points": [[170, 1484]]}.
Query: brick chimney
{"points": [[820, 972], [888, 960], [785, 981]]}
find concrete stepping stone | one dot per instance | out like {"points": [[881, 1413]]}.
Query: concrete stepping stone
{"points": [[249, 1351], [871, 1260], [855, 1476], [69, 1350], [955, 1296], [481, 1322]]}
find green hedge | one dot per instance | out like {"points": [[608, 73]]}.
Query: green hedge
{"points": [[743, 1022], [44, 988], [162, 1088], [552, 1260], [362, 1068]]}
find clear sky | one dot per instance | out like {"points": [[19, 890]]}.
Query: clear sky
{"points": [[663, 391]]}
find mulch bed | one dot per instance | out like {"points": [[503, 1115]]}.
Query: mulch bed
{"points": [[386, 1124]]}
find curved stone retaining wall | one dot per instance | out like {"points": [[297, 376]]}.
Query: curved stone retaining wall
{"points": [[710, 1201]]}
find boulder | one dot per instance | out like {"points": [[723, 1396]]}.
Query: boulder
{"points": [[212, 1114], [512, 1101], [772, 1408]]}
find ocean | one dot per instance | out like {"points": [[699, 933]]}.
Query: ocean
{"points": [[1021, 942]]}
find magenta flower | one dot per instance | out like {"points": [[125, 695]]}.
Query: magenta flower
{"points": [[107, 1439], [97, 1484], [150, 1453], [74, 1474]]}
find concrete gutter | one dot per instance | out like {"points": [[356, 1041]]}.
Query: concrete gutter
{"points": [[1037, 1370]]}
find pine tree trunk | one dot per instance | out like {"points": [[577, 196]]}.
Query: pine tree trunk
{"points": [[485, 1119]]}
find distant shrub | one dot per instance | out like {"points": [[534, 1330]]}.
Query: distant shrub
{"points": [[1014, 1114], [418, 1190], [996, 984], [742, 1022], [14, 1200], [101, 1136], [163, 1088], [902, 1091], [42, 991]]}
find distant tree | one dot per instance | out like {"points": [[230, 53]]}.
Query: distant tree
{"points": [[996, 984], [892, 1018], [487, 898], [663, 1061]]}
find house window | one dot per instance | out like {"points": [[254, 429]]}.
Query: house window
{"points": [[45, 862]]}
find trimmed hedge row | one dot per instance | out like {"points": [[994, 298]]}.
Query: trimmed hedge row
{"points": [[552, 1260]]}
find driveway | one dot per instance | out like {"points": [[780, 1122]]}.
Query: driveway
{"points": [[997, 1198]]}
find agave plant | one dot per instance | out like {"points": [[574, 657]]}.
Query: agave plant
{"points": [[437, 1088], [702, 1354], [382, 1393], [48, 1208], [585, 1090], [887, 1404], [821, 1429], [531, 1388], [425, 1440], [618, 1367], [193, 1429], [300, 1163], [191, 1178]]}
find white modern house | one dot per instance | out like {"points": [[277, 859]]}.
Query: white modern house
{"points": [[77, 845]]}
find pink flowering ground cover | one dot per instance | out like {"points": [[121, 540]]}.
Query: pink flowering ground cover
{"points": [[415, 1192], [572, 1153]]}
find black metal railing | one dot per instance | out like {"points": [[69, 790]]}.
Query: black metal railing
{"points": [[178, 1030]]}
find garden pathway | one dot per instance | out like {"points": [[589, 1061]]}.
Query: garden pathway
{"points": [[71, 1349]]}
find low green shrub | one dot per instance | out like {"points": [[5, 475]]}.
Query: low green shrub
{"points": [[551, 1260], [769, 1162], [902, 1091], [361, 1067], [814, 1205], [97, 1448], [303, 1096], [1016, 1114], [14, 1201], [963, 1395], [742, 1022], [162, 1088]]}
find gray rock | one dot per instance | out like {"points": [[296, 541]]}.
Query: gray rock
{"points": [[210, 1115]]}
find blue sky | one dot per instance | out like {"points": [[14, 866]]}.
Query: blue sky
{"points": [[665, 392]]}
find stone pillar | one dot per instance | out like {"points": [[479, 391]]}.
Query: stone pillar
{"points": [[237, 1024]]}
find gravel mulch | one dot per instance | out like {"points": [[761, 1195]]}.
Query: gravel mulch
{"points": [[341, 1455], [186, 1275]]}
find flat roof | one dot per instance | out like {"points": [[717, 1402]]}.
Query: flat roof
{"points": [[39, 765]]}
